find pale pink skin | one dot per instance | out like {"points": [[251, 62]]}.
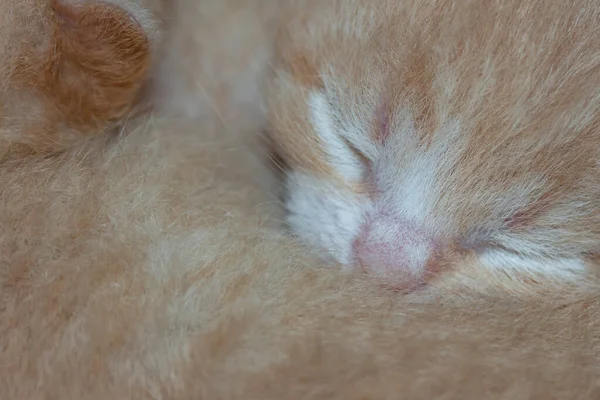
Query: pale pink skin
{"points": [[392, 247]]}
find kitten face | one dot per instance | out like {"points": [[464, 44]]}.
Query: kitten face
{"points": [[417, 132]]}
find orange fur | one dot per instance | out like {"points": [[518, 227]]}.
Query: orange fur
{"points": [[98, 63], [152, 265], [79, 68]]}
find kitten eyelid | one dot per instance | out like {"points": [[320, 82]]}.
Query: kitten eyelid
{"points": [[332, 102], [358, 153], [361, 155], [368, 185]]}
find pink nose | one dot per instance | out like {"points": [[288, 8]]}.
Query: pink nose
{"points": [[395, 249]]}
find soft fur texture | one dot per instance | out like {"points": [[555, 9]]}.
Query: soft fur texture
{"points": [[418, 132], [148, 261], [68, 69]]}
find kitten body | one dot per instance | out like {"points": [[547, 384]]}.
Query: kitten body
{"points": [[153, 267], [418, 132]]}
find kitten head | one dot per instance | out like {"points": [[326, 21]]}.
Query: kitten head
{"points": [[418, 132]]}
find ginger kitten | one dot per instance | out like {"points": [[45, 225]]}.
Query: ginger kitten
{"points": [[418, 133], [147, 265]]}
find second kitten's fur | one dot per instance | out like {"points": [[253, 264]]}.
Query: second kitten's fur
{"points": [[68, 69]]}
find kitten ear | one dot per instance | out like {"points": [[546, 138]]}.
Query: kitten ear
{"points": [[97, 65]]}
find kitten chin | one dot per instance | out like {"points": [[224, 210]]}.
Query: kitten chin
{"points": [[417, 134]]}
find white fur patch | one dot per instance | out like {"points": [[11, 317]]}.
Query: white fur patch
{"points": [[408, 174], [323, 216], [562, 269]]}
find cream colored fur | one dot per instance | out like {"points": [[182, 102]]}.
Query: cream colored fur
{"points": [[149, 264]]}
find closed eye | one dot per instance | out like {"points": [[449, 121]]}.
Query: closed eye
{"points": [[367, 183], [359, 154]]}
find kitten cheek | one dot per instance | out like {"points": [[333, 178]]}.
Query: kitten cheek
{"points": [[323, 215]]}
